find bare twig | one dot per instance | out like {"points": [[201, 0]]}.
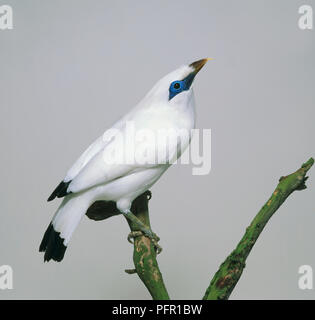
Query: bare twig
{"points": [[230, 271]]}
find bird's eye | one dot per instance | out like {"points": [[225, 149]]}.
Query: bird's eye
{"points": [[176, 85]]}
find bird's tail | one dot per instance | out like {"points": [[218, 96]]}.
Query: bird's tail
{"points": [[61, 228]]}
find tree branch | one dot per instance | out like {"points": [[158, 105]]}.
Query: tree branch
{"points": [[144, 255], [230, 271]]}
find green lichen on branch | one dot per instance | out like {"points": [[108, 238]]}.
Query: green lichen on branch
{"points": [[230, 271], [144, 254]]}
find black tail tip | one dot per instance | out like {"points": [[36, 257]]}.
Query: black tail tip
{"points": [[52, 244]]}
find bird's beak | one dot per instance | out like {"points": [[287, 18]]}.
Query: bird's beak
{"points": [[197, 65]]}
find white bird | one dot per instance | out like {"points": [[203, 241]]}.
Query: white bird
{"points": [[168, 105]]}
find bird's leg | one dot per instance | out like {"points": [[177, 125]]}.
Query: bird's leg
{"points": [[143, 230], [142, 227]]}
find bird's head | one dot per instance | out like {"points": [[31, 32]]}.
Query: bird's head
{"points": [[176, 87]]}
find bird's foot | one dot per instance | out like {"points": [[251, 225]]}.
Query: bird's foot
{"points": [[157, 247], [152, 236], [134, 234], [143, 229]]}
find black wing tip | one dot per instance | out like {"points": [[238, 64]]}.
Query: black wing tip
{"points": [[52, 244], [60, 191]]}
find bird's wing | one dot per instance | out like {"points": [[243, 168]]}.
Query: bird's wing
{"points": [[120, 158], [99, 144], [98, 171], [106, 161], [85, 157]]}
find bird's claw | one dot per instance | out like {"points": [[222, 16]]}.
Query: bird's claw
{"points": [[157, 247], [152, 236], [134, 234]]}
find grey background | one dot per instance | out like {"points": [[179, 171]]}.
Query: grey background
{"points": [[71, 68]]}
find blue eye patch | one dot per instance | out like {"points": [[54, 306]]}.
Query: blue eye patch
{"points": [[179, 86]]}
